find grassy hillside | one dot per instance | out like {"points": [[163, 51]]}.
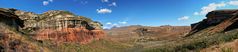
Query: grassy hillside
{"points": [[12, 40], [196, 42], [95, 46]]}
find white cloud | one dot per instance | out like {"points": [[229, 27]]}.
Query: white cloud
{"points": [[233, 3], [45, 2], [184, 18], [215, 6], [195, 13], [115, 25], [50, 0], [211, 7], [105, 27], [108, 23], [113, 4], [104, 0], [104, 11], [123, 22]]}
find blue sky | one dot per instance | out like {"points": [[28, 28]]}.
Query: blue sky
{"points": [[129, 12]]}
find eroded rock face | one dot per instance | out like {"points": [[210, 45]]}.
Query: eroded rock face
{"points": [[10, 40], [63, 26], [222, 20], [56, 25], [78, 35], [8, 18], [56, 19]]}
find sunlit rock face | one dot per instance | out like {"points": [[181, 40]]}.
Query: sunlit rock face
{"points": [[56, 19], [221, 20], [65, 27], [56, 25], [78, 35], [69, 29]]}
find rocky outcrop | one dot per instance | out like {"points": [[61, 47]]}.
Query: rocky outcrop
{"points": [[10, 38], [10, 19], [56, 25], [63, 26], [220, 20], [56, 19], [69, 35], [30, 19]]}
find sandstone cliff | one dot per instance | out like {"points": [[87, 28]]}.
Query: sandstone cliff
{"points": [[56, 31], [222, 26], [56, 19], [70, 35], [220, 20], [11, 40], [56, 25]]}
